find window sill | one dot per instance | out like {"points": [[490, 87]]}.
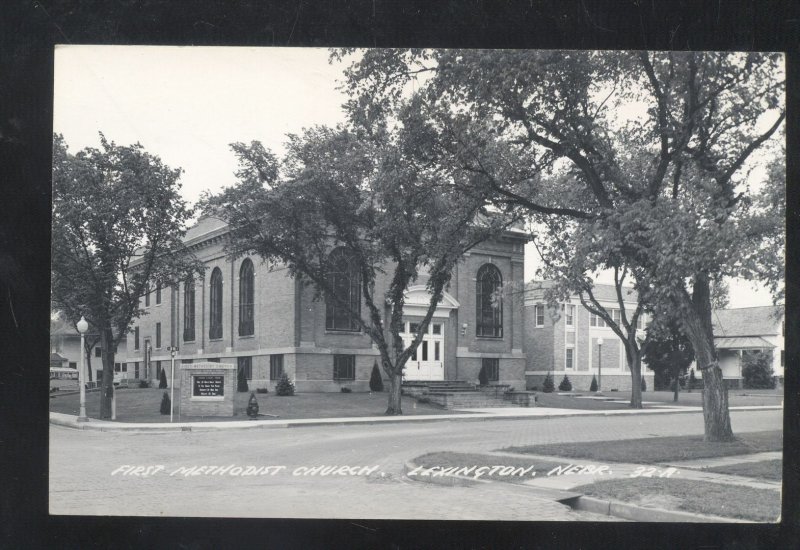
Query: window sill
{"points": [[189, 341], [216, 339], [350, 332], [246, 336], [344, 379], [488, 337]]}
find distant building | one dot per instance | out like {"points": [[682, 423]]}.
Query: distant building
{"points": [[746, 330], [267, 323], [65, 348], [566, 341]]}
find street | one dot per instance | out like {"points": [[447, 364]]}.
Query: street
{"points": [[82, 462]]}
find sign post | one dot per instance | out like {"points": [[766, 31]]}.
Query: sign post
{"points": [[172, 351]]}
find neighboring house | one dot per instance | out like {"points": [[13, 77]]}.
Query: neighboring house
{"points": [[267, 323], [65, 341], [746, 330], [567, 341]]}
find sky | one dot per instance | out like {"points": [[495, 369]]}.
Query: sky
{"points": [[187, 104]]}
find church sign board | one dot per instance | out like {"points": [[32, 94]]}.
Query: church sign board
{"points": [[207, 389]]}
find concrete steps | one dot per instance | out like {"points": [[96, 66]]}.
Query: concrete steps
{"points": [[458, 394]]}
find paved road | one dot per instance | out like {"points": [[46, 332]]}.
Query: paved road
{"points": [[82, 462]]}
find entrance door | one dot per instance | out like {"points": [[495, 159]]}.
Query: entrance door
{"points": [[427, 363]]}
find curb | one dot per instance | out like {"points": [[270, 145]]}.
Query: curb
{"points": [[637, 513], [468, 417]]}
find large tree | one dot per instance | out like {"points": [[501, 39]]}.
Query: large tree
{"points": [[356, 212], [656, 145], [118, 219]]}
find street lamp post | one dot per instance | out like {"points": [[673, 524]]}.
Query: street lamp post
{"points": [[599, 365], [82, 326], [172, 351]]}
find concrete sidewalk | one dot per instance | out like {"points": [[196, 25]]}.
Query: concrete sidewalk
{"points": [[506, 413]]}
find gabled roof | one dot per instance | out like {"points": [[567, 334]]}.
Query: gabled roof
{"points": [[742, 342], [747, 321]]}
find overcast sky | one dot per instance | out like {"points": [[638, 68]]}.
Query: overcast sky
{"points": [[186, 104]]}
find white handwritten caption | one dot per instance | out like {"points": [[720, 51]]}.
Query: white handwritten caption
{"points": [[475, 472]]}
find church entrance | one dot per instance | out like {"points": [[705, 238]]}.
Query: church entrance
{"points": [[427, 363]]}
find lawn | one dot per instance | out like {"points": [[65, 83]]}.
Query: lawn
{"points": [[449, 459], [142, 405], [714, 499], [651, 450], [764, 469]]}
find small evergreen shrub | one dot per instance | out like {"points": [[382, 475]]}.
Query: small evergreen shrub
{"points": [[144, 384], [565, 384], [284, 386], [757, 371], [593, 387], [644, 384], [241, 382], [252, 406], [548, 386], [483, 378], [345, 389], [162, 380], [262, 390], [375, 380], [165, 404]]}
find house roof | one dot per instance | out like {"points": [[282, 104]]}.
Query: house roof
{"points": [[742, 342], [747, 321], [57, 357]]}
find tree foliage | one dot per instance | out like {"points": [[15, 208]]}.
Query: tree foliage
{"points": [[374, 192], [646, 151], [757, 370], [118, 219], [667, 350]]}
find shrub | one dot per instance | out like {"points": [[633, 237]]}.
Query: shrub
{"points": [[162, 380], [252, 406], [593, 387], [644, 384], [262, 390], [548, 386], [757, 371], [565, 384], [165, 404], [375, 380], [144, 384], [423, 399], [241, 382], [284, 386], [345, 389], [483, 378]]}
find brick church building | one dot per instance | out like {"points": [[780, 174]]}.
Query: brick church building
{"points": [[267, 323]]}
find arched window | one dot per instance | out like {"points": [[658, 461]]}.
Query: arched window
{"points": [[246, 299], [344, 277], [215, 305], [489, 303], [188, 310]]}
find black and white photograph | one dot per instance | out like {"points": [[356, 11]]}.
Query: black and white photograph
{"points": [[417, 284]]}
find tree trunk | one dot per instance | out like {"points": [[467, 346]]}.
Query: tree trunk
{"points": [[716, 416], [107, 391], [88, 354], [676, 377], [634, 358], [395, 396]]}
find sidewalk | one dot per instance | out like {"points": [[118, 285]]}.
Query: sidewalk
{"points": [[506, 413]]}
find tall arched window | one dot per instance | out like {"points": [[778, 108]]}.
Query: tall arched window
{"points": [[188, 310], [346, 281], [488, 302], [246, 299], [215, 305]]}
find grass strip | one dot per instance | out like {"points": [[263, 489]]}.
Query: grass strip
{"points": [[651, 450], [716, 499], [764, 469]]}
